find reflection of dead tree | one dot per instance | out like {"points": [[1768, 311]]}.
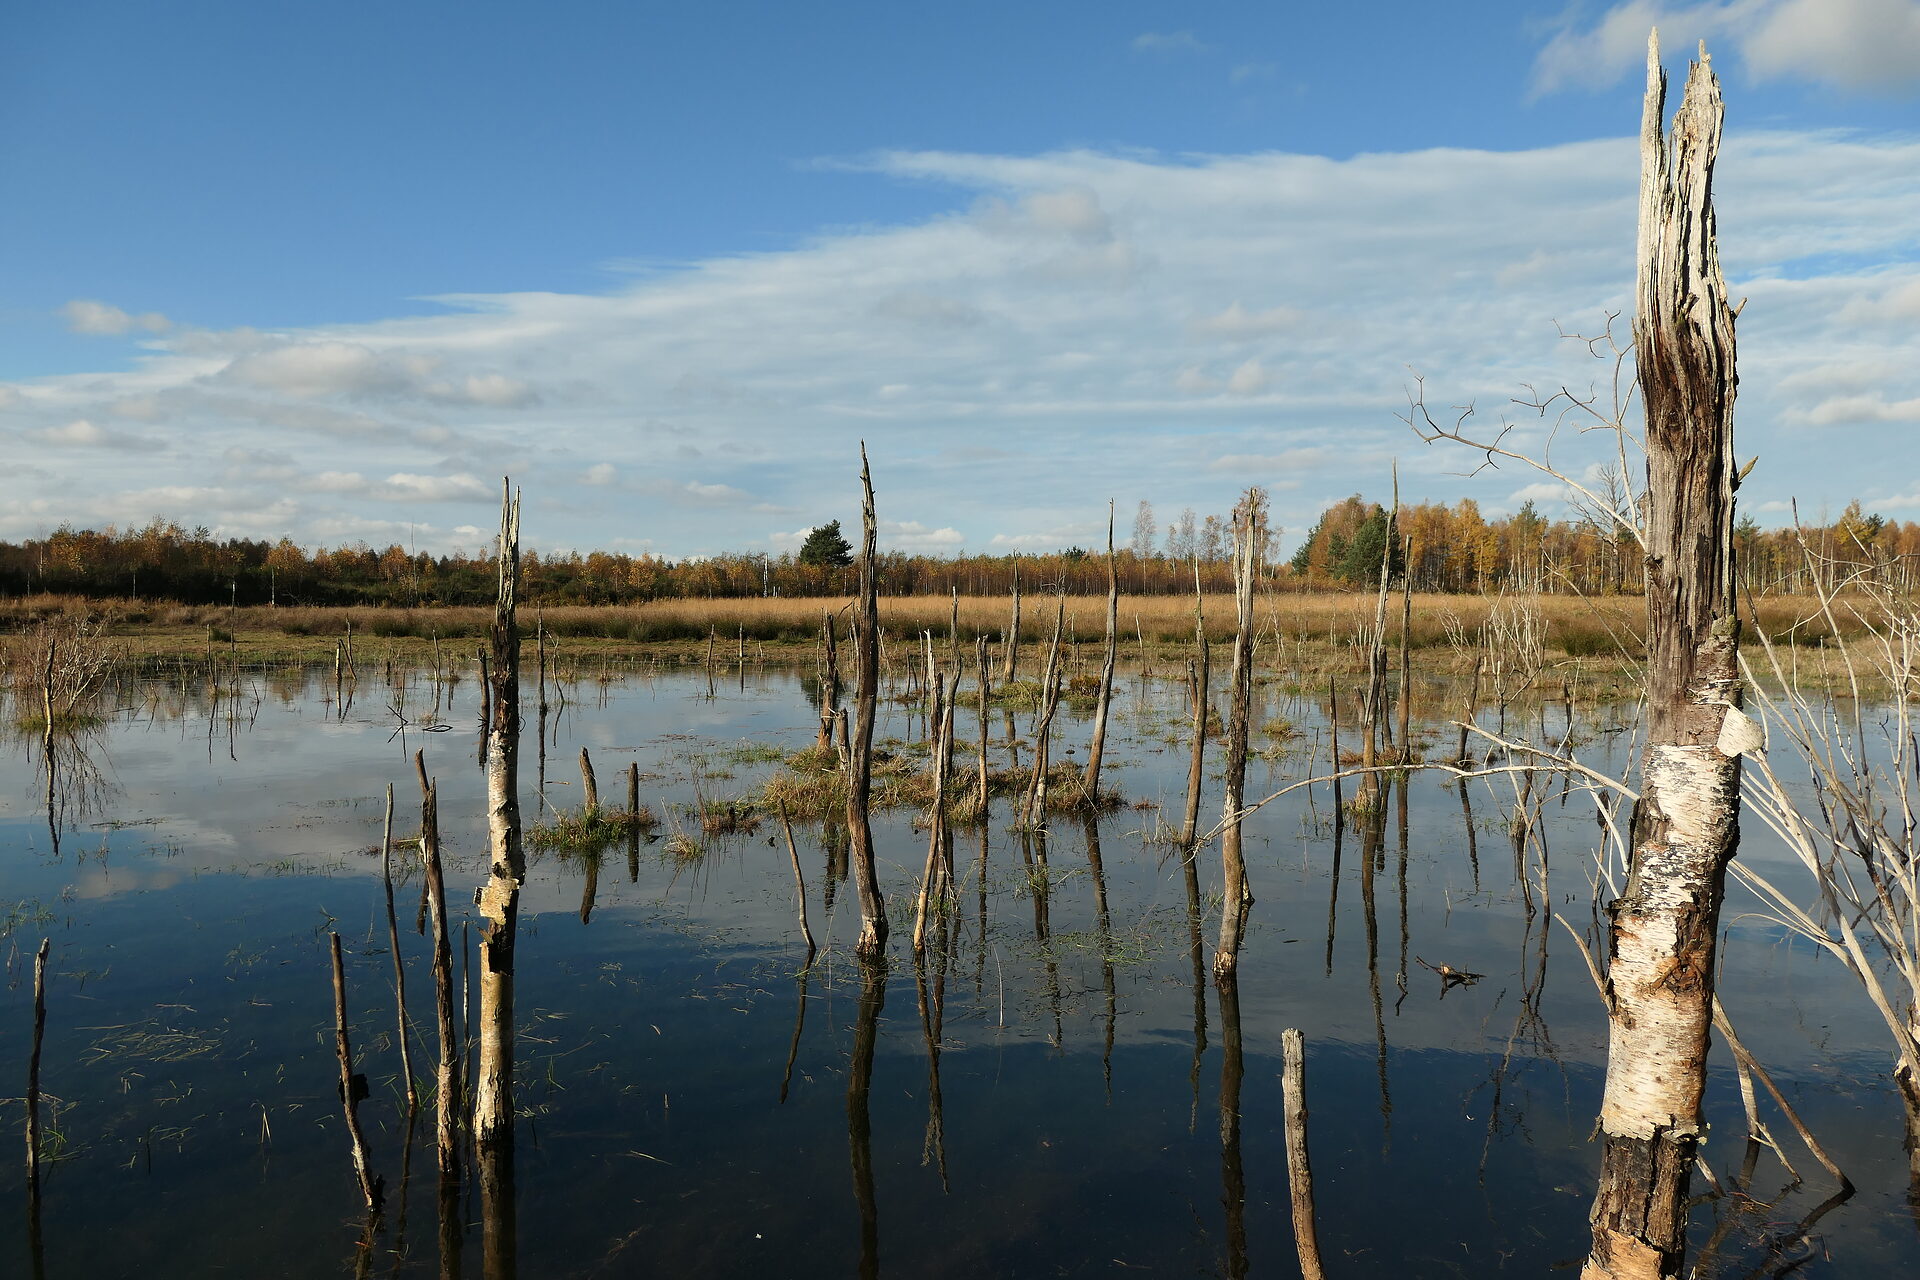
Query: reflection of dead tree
{"points": [[1856, 840]]}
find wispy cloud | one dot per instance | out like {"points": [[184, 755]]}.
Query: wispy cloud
{"points": [[1857, 45], [1168, 42], [1079, 325], [103, 319]]}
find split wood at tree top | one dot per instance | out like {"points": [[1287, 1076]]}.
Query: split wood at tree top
{"points": [[1659, 981]]}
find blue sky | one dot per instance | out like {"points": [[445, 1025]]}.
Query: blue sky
{"points": [[327, 270]]}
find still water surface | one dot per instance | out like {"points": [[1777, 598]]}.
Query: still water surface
{"points": [[1053, 1095]]}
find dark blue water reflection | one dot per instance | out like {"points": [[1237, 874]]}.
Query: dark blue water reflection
{"points": [[678, 1119]]}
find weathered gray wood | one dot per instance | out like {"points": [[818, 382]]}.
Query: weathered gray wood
{"points": [[1249, 545], [352, 1087], [399, 965], [1293, 1091], [1096, 752], [1198, 674], [447, 1089], [33, 1067], [1685, 825], [866, 635]]}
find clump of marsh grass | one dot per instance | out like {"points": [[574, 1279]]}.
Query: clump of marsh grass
{"points": [[589, 832]]}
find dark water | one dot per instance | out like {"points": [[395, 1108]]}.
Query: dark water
{"points": [[1053, 1094]]}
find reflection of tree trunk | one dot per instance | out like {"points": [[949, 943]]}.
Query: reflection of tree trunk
{"points": [[451, 1234], [1033, 846], [932, 1001], [590, 889], [1104, 923], [1233, 1181], [1372, 838], [1196, 952], [873, 998], [1685, 824], [499, 1211], [1333, 891], [1910, 1096], [500, 898], [799, 1025]]}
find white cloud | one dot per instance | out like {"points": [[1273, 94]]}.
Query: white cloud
{"points": [[1250, 379], [84, 315], [1079, 325], [911, 535], [82, 434], [1850, 44], [1238, 322], [1868, 407], [1847, 44], [1168, 42]]}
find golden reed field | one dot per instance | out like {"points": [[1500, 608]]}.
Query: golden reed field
{"points": [[1585, 627]]}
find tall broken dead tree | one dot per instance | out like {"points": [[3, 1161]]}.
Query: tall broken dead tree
{"points": [[500, 897], [1685, 828], [1249, 549], [866, 665]]}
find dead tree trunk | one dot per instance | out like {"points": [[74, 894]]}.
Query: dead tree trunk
{"points": [[399, 966], [500, 898], [866, 662], [1097, 750], [1249, 543], [829, 682], [1686, 823], [353, 1086], [33, 1068], [1011, 668], [446, 1090], [1199, 673]]}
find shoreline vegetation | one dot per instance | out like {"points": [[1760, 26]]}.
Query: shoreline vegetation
{"points": [[1445, 631]]}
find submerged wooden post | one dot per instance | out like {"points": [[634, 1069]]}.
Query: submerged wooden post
{"points": [[352, 1087], [589, 785], [1293, 1089], [1249, 544], [447, 1099], [873, 906], [799, 883], [33, 1067], [399, 965], [1685, 824], [1097, 750], [499, 900]]}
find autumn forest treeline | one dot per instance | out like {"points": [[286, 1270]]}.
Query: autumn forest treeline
{"points": [[1443, 548]]}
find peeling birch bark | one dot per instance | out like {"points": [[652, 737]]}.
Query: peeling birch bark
{"points": [[1685, 825], [499, 898]]}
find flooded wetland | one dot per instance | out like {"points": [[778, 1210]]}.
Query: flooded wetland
{"points": [[1053, 1085]]}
